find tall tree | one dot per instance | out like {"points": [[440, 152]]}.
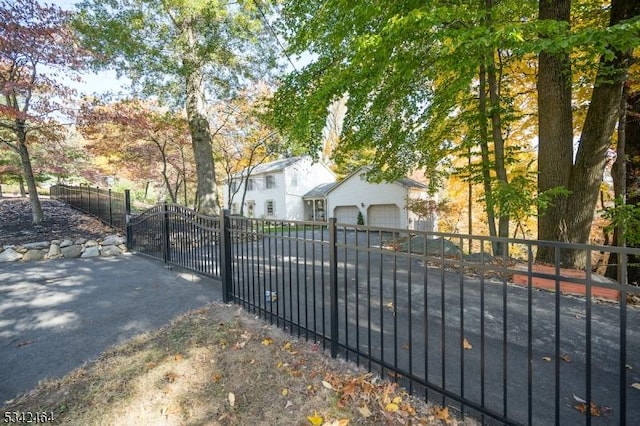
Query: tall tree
{"points": [[570, 220], [182, 52], [37, 50], [424, 80]]}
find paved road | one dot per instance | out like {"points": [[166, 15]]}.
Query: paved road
{"points": [[414, 317], [55, 315]]}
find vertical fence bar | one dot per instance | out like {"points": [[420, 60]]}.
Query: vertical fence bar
{"points": [[226, 272], [333, 286], [622, 279], [127, 218], [166, 243], [110, 209]]}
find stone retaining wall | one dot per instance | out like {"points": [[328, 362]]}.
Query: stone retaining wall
{"points": [[111, 245]]}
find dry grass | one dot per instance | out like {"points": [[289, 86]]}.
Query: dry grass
{"points": [[220, 365]]}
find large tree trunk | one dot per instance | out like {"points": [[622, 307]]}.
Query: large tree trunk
{"points": [[27, 172], [555, 129], [603, 113], [207, 194], [571, 221]]}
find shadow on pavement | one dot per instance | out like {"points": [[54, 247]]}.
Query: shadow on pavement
{"points": [[56, 315]]}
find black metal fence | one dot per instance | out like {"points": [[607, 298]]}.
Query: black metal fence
{"points": [[110, 207], [503, 339]]}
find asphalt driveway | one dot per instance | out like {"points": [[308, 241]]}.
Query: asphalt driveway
{"points": [[56, 315]]}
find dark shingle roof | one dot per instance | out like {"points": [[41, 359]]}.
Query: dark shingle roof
{"points": [[320, 190]]}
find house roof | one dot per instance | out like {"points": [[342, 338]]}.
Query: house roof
{"points": [[411, 183], [320, 190], [272, 166], [324, 189]]}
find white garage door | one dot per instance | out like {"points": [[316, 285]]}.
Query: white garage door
{"points": [[346, 214], [384, 215]]}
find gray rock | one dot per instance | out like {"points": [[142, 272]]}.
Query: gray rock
{"points": [[80, 241], [36, 246], [92, 251], [91, 243], [54, 251], [110, 251], [9, 255], [33, 254], [66, 243], [113, 240], [71, 251], [55, 242]]}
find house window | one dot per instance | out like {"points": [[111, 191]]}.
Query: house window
{"points": [[251, 208], [250, 185], [270, 181], [234, 186], [270, 208], [294, 181]]}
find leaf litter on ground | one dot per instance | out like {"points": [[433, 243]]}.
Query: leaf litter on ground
{"points": [[221, 365]]}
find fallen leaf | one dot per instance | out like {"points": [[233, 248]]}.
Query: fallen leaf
{"points": [[327, 385], [286, 346], [232, 399], [578, 399], [407, 408], [406, 347], [442, 413], [594, 410], [178, 357], [546, 358], [288, 404], [565, 358], [466, 344], [216, 378], [239, 345], [364, 411], [170, 377], [285, 392], [389, 306], [391, 407], [636, 386], [397, 400], [315, 420], [267, 341]]}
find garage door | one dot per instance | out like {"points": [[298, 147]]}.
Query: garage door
{"points": [[384, 215], [346, 214]]}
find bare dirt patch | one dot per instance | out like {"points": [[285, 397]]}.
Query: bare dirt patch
{"points": [[60, 221], [221, 365]]}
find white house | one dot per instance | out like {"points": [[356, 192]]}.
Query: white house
{"points": [[380, 204], [275, 189]]}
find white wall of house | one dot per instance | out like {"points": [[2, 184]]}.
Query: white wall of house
{"points": [[369, 198], [283, 191]]}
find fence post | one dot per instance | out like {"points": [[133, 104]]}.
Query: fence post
{"points": [[166, 239], [127, 217], [333, 285], [110, 209], [226, 272]]}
